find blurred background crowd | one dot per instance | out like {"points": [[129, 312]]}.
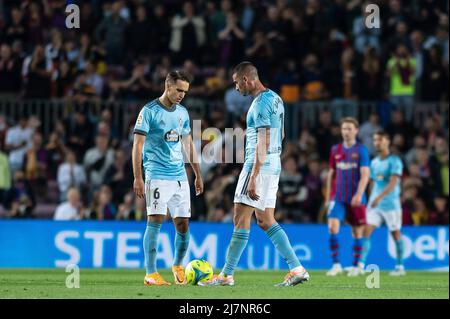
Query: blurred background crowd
{"points": [[306, 50]]}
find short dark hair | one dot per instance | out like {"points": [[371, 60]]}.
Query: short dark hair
{"points": [[351, 120], [384, 134], [175, 75], [246, 68]]}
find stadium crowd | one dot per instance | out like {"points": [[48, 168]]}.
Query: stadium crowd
{"points": [[307, 50]]}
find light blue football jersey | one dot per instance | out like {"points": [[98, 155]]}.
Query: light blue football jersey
{"points": [[162, 152], [266, 111], [381, 171]]}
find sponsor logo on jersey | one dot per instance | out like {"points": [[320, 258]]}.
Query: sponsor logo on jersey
{"points": [[172, 136], [346, 165]]}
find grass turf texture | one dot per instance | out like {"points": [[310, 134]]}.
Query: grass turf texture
{"points": [[105, 283]]}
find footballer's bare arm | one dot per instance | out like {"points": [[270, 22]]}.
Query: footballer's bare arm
{"points": [[138, 184]]}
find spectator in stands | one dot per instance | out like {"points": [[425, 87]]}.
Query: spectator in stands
{"points": [[118, 175], [367, 130], [419, 142], [56, 151], [312, 79], [293, 191], [441, 40], [103, 208], [139, 29], [89, 84], [418, 52], [16, 29], [88, 20], [343, 91], [36, 164], [18, 139], [439, 166], [275, 31], [439, 215], [133, 208], [365, 37], [236, 104], [369, 76], [400, 36], [399, 126], [435, 76], [197, 85], [10, 81], [37, 72], [97, 161], [70, 174], [160, 30], [107, 120], [71, 209], [314, 184], [401, 69], [260, 49], [419, 214], [111, 33], [5, 175], [63, 80], [137, 86], [323, 134], [79, 133], [19, 199], [54, 50], [188, 34], [231, 38]]}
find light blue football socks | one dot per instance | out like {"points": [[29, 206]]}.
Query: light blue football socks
{"points": [[281, 242], [237, 245], [399, 247], [366, 243], [150, 246], [181, 246]]}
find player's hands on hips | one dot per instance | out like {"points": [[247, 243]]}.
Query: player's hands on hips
{"points": [[356, 200], [138, 187], [198, 186], [251, 190]]}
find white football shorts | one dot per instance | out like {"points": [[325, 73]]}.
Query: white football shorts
{"points": [[161, 195], [376, 217], [266, 188]]}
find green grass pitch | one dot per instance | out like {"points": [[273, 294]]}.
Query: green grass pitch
{"points": [[105, 283]]}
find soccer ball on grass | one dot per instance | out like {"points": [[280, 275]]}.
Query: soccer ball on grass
{"points": [[198, 271]]}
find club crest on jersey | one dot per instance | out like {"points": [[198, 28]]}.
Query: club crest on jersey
{"points": [[337, 157], [355, 156], [172, 136]]}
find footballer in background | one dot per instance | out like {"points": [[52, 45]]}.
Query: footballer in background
{"points": [[384, 204], [349, 168]]}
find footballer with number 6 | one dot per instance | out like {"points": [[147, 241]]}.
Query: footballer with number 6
{"points": [[384, 203], [257, 186], [161, 134]]}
